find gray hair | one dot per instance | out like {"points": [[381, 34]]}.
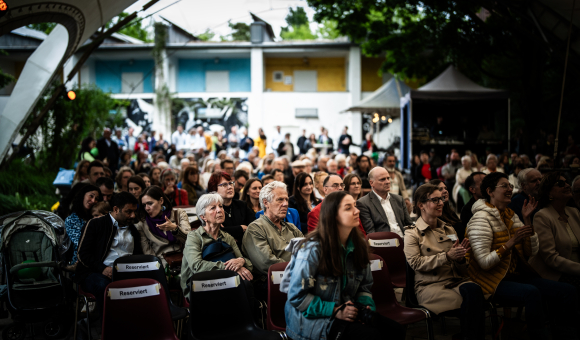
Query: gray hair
{"points": [[466, 158], [371, 175], [330, 161], [205, 201], [490, 156], [522, 176], [267, 192]]}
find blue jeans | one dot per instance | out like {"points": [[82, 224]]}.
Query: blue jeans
{"points": [[472, 311], [544, 300], [96, 283]]}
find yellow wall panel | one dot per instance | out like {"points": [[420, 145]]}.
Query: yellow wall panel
{"points": [[331, 72], [370, 79]]}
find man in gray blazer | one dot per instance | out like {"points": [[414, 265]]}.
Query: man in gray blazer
{"points": [[380, 211]]}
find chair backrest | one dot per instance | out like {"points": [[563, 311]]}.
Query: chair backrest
{"points": [[411, 296], [276, 299], [382, 289], [393, 254], [218, 302], [140, 267], [136, 309]]}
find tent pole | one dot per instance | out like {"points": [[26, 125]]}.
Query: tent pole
{"points": [[564, 81], [509, 127]]}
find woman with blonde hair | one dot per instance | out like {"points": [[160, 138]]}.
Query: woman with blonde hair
{"points": [[475, 165], [81, 172], [122, 177], [318, 184], [208, 169]]}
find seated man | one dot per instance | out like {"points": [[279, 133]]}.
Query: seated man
{"points": [[380, 211], [472, 184], [266, 238], [107, 187], [102, 241], [529, 184], [331, 183]]}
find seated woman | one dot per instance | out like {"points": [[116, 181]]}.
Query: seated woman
{"points": [[122, 177], [136, 186], [319, 184], [81, 172], [237, 214], [434, 252], [251, 194], [558, 228], [146, 179], [353, 185], [82, 205], [328, 272], [498, 261], [162, 228], [303, 199], [190, 184], [448, 215], [169, 185], [203, 245], [278, 175], [155, 176]]}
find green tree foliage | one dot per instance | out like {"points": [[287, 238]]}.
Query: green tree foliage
{"points": [[503, 50], [134, 29], [240, 31], [206, 36], [297, 17], [45, 27], [298, 26], [328, 30], [57, 141]]}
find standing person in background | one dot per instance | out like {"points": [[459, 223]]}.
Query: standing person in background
{"points": [[344, 142], [276, 140], [302, 145], [397, 180], [179, 138], [286, 148], [233, 139], [152, 141], [130, 139], [108, 151], [119, 139], [326, 140], [141, 144], [261, 143], [368, 144], [88, 150], [246, 143]]}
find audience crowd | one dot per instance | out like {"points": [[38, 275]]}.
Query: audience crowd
{"points": [[496, 228]]}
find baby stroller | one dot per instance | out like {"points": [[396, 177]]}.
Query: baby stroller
{"points": [[31, 247]]}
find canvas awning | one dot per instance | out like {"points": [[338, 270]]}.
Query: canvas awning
{"points": [[386, 99], [452, 85]]}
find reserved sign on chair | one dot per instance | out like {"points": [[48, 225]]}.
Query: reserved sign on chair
{"points": [[218, 284], [137, 267], [133, 292], [393, 242], [376, 265], [277, 277]]}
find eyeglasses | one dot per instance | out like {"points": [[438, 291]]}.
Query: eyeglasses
{"points": [[435, 200], [505, 186], [227, 184], [561, 183], [335, 185]]}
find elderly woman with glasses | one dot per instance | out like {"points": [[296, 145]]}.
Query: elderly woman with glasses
{"points": [[501, 246], [558, 228], [433, 250], [209, 247], [237, 215]]}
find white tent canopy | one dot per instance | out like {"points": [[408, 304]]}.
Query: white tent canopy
{"points": [[385, 97], [452, 85]]}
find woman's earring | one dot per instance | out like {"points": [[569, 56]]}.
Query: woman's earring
{"points": [[162, 208]]}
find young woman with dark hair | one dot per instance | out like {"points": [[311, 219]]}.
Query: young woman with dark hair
{"points": [[88, 149], [303, 198], [169, 185], [190, 183], [82, 204], [330, 270], [163, 229], [363, 166], [251, 194], [353, 185], [155, 176], [146, 178], [136, 186]]}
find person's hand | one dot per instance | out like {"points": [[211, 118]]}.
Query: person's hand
{"points": [[169, 190], [244, 227], [349, 313], [520, 235], [409, 206], [528, 209], [235, 264], [245, 274], [457, 252], [108, 272], [167, 226]]}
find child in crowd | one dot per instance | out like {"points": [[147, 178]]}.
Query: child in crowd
{"points": [[100, 209]]}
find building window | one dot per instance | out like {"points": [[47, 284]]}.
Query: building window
{"points": [[132, 82], [305, 81], [278, 76], [306, 113], [217, 81]]}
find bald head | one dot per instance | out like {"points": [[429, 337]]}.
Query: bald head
{"points": [[332, 183], [380, 181]]}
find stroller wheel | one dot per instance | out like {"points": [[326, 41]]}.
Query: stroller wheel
{"points": [[54, 330], [15, 331]]}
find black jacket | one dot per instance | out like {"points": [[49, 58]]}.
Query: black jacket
{"points": [[240, 215], [95, 244], [111, 153]]}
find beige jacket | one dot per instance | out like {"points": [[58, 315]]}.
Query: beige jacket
{"points": [[553, 257], [154, 245], [425, 250]]}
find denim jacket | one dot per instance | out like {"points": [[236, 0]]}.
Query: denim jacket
{"points": [[306, 284]]}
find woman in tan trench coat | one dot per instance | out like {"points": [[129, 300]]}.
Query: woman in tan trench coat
{"points": [[432, 249]]}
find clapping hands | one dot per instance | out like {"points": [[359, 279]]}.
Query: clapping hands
{"points": [[458, 250]]}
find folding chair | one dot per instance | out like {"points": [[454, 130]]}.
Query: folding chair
{"points": [[392, 254], [386, 301], [87, 297], [148, 266], [137, 309], [276, 319], [220, 308]]}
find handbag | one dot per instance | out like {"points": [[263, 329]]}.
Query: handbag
{"points": [[218, 251], [174, 258]]}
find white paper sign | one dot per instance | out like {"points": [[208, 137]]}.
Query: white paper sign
{"points": [[452, 237], [137, 267], [376, 265], [219, 284], [393, 242], [190, 210], [277, 277], [133, 292]]}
